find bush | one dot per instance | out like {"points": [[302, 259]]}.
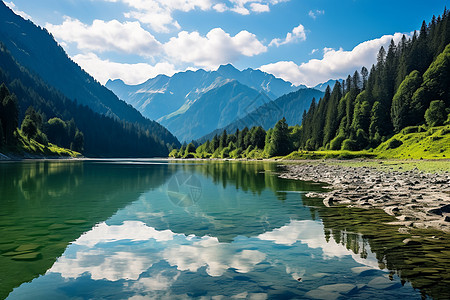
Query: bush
{"points": [[236, 153], [216, 153], [410, 129], [189, 155], [361, 139], [41, 138], [435, 115], [225, 152], [349, 145], [394, 143], [336, 143], [174, 153]]}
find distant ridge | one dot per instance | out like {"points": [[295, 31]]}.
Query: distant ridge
{"points": [[290, 106], [170, 100]]}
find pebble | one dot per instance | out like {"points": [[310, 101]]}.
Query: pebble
{"points": [[411, 195]]}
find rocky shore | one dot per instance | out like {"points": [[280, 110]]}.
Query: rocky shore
{"points": [[417, 199]]}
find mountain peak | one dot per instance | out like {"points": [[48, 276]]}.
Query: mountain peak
{"points": [[227, 68]]}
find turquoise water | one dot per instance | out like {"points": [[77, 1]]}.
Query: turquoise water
{"points": [[139, 229]]}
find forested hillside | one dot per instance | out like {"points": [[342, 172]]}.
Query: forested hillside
{"points": [[405, 94], [103, 136], [410, 81], [35, 48], [289, 106]]}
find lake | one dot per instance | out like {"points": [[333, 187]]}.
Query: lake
{"points": [[140, 229]]}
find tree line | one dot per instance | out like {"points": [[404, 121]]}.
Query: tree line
{"points": [[409, 86], [34, 126]]}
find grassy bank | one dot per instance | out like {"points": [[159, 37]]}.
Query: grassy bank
{"points": [[29, 148], [411, 143]]}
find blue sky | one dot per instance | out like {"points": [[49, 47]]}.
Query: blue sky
{"points": [[305, 42]]}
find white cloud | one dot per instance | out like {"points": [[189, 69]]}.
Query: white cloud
{"points": [[334, 64], [297, 34], [103, 70], [258, 7], [101, 36], [214, 49], [93, 256], [14, 8], [314, 14], [314, 51], [220, 7], [158, 14]]}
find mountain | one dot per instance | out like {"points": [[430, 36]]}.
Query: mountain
{"points": [[163, 95], [215, 109], [103, 136], [290, 106], [172, 100], [35, 68], [35, 48], [323, 86]]}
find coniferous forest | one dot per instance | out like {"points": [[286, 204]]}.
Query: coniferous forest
{"points": [[64, 122], [408, 87]]}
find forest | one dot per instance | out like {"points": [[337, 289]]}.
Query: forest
{"points": [[408, 90], [50, 116]]}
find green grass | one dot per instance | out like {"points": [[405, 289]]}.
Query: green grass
{"points": [[325, 154], [412, 143], [431, 144], [29, 146]]}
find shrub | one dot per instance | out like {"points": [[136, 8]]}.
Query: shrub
{"points": [[225, 152], [435, 115], [336, 143], [42, 138], [349, 145], [394, 143], [410, 129]]}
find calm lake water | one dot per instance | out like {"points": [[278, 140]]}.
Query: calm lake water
{"points": [[142, 229]]}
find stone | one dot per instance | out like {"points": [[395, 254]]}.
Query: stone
{"points": [[409, 242]]}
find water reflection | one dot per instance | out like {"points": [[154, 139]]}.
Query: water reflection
{"points": [[44, 205], [245, 234], [135, 229]]}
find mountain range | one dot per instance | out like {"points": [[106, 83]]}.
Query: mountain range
{"points": [[291, 106], [40, 73], [192, 104]]}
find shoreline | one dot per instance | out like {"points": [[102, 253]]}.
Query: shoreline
{"points": [[416, 198]]}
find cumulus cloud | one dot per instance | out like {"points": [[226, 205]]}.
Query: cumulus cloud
{"points": [[214, 49], [334, 64], [158, 13], [14, 8], [103, 70], [315, 13], [258, 7], [101, 36], [297, 34], [220, 7]]}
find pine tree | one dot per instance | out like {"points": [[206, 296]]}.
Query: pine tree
{"points": [[402, 111], [279, 142]]}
